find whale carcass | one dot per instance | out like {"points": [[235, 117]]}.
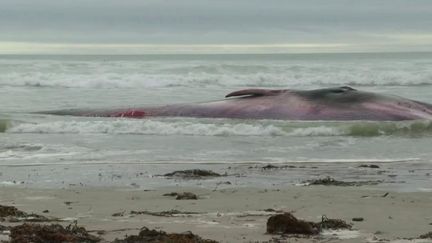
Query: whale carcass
{"points": [[337, 104]]}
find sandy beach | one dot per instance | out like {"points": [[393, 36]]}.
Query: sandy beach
{"points": [[200, 121], [230, 213]]}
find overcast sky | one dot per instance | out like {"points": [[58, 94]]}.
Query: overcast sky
{"points": [[178, 26]]}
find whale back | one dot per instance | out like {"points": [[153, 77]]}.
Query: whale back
{"points": [[339, 103], [337, 95]]}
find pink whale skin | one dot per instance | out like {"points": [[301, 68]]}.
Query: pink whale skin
{"points": [[340, 103]]}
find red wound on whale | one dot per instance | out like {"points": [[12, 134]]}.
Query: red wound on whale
{"points": [[130, 114]]}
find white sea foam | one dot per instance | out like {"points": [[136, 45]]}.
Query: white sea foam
{"points": [[150, 127], [164, 73], [192, 128], [221, 127], [317, 131]]}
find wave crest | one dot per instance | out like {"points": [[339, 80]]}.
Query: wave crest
{"points": [[144, 74], [221, 127]]}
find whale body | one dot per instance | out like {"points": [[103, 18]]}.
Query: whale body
{"points": [[337, 104]]}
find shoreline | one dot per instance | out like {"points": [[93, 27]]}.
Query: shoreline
{"points": [[393, 176]]}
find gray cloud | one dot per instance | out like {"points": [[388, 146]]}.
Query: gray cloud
{"points": [[214, 21]]}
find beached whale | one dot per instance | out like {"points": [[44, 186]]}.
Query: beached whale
{"points": [[340, 103]]}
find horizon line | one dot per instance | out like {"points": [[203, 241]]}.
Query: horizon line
{"points": [[216, 53], [35, 48]]}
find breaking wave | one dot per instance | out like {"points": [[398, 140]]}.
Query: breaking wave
{"points": [[148, 74], [222, 127]]}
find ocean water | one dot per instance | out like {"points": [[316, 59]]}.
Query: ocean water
{"points": [[38, 83]]}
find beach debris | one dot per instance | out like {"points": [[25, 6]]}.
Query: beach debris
{"points": [[369, 166], [170, 213], [221, 183], [271, 210], [224, 183], [286, 223], [37, 233], [328, 181], [269, 167], [6, 211], [182, 196], [265, 212], [333, 224], [4, 228], [385, 194], [192, 174], [357, 219], [272, 167], [119, 214], [186, 196], [426, 236], [12, 214], [154, 236]]}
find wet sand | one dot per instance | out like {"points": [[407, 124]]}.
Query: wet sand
{"points": [[233, 214]]}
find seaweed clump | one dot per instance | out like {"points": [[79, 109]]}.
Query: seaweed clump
{"points": [[12, 214], [192, 174], [154, 236], [286, 223], [182, 196], [328, 181], [372, 166], [426, 236], [7, 211], [333, 224], [36, 233], [170, 213]]}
